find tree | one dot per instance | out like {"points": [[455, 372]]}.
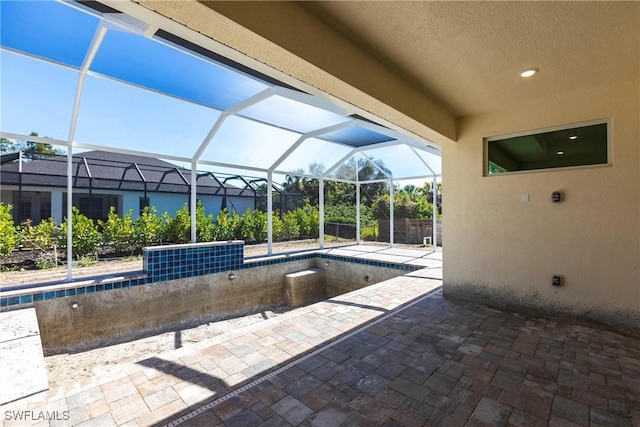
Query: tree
{"points": [[371, 170], [410, 189], [339, 192], [409, 202], [426, 191], [294, 183], [308, 187], [30, 150], [6, 146]]}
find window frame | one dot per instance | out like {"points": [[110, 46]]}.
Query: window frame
{"points": [[485, 147]]}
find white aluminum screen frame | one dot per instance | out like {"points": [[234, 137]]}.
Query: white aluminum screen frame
{"points": [[154, 22]]}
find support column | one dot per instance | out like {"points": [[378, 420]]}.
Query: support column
{"points": [[101, 31], [321, 210], [357, 213], [391, 212], [434, 193], [434, 239], [193, 200], [19, 207], [69, 208], [270, 213]]}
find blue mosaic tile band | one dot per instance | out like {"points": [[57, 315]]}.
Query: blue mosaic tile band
{"points": [[192, 260], [182, 262], [296, 257]]}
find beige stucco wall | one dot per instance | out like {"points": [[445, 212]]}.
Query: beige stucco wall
{"points": [[505, 251]]}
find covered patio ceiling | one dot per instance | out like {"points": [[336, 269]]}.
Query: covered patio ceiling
{"points": [[87, 76]]}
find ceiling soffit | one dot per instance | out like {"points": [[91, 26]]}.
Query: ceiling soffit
{"points": [[468, 55]]}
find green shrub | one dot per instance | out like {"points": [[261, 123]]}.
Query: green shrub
{"points": [[205, 229], [404, 206], [43, 241], [346, 214], [308, 218], [42, 237], [276, 229], [369, 233], [290, 227], [45, 262], [178, 228], [85, 238], [87, 260], [423, 209], [253, 226], [8, 235], [148, 228], [118, 232], [227, 225]]}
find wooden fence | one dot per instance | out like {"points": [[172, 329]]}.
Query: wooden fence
{"points": [[407, 230]]}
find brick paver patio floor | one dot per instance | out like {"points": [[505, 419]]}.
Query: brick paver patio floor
{"points": [[450, 363], [394, 354]]}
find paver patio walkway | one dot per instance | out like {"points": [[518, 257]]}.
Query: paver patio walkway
{"points": [[450, 363], [395, 354]]}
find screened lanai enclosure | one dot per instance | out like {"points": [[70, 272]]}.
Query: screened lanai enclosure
{"points": [[87, 76], [105, 181]]}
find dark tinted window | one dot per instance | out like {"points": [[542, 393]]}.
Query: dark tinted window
{"points": [[577, 146]]}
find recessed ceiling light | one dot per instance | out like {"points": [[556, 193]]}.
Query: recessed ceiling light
{"points": [[573, 137], [528, 73], [560, 153]]}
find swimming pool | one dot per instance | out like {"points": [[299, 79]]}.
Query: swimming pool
{"points": [[182, 286]]}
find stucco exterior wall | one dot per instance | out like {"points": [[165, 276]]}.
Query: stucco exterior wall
{"points": [[504, 251], [240, 204]]}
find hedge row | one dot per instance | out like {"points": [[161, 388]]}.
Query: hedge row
{"points": [[124, 234]]}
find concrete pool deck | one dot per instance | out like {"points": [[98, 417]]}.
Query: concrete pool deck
{"points": [[22, 368], [394, 353]]}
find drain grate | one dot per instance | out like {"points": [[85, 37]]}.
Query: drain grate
{"points": [[271, 374]]}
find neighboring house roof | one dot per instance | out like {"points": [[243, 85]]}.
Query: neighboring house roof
{"points": [[113, 171], [9, 157]]}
